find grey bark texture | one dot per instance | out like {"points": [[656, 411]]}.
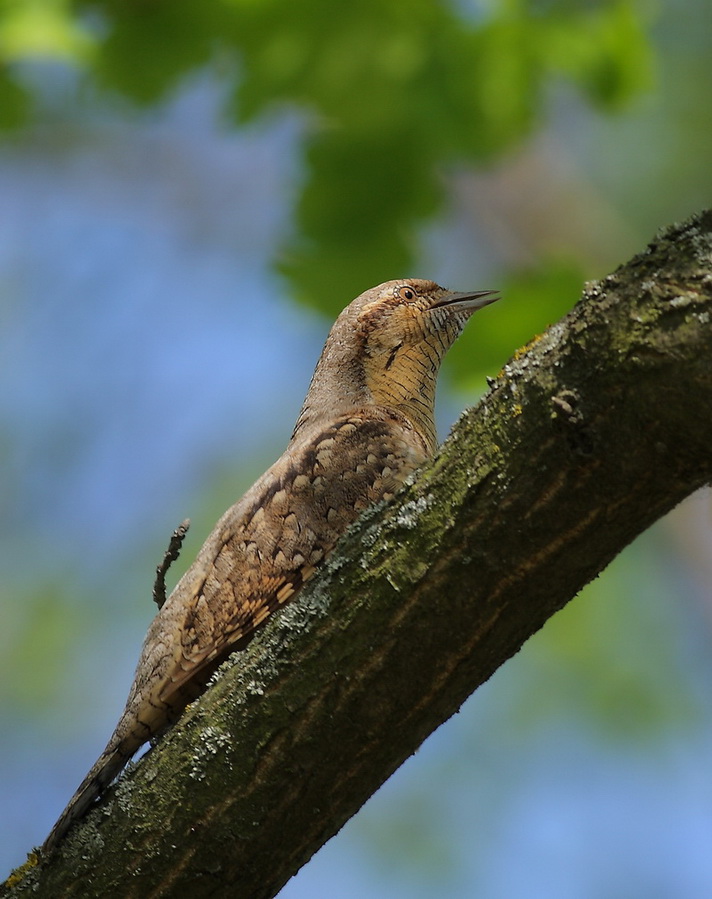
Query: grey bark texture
{"points": [[589, 434]]}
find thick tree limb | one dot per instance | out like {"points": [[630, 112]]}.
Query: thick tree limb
{"points": [[598, 429]]}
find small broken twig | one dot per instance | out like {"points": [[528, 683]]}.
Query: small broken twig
{"points": [[170, 555]]}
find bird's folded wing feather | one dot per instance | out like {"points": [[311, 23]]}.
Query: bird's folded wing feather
{"points": [[267, 546]]}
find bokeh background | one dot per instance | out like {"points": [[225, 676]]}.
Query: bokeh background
{"points": [[189, 192]]}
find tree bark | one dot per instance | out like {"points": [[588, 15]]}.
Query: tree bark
{"points": [[587, 436]]}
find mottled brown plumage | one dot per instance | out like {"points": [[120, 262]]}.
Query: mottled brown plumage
{"points": [[367, 421]]}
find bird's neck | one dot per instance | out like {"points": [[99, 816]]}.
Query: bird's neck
{"points": [[344, 383], [408, 387]]}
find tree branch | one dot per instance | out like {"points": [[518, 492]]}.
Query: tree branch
{"points": [[169, 556], [598, 429]]}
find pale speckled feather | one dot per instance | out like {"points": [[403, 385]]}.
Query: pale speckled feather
{"points": [[366, 423]]}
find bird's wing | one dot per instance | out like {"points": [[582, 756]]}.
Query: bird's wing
{"points": [[267, 546]]}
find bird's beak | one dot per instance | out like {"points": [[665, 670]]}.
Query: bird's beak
{"points": [[469, 300]]}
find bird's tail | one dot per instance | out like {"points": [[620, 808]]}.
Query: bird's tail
{"points": [[112, 760]]}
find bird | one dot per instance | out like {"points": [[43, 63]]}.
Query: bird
{"points": [[366, 423]]}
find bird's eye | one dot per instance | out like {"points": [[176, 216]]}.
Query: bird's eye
{"points": [[406, 293]]}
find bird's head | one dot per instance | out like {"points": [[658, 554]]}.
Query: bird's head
{"points": [[385, 349]]}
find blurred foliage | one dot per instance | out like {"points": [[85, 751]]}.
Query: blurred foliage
{"points": [[42, 624], [41, 28], [603, 640], [13, 102], [392, 93]]}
